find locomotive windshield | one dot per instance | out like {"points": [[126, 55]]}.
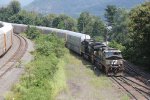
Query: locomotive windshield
{"points": [[116, 55]]}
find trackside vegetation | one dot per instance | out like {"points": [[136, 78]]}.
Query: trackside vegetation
{"points": [[44, 77]]}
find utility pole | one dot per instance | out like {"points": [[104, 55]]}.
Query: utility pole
{"points": [[108, 29]]}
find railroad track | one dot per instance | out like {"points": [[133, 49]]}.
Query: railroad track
{"points": [[15, 58], [134, 83], [137, 74], [135, 90]]}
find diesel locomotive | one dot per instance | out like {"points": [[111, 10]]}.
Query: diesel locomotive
{"points": [[105, 58]]}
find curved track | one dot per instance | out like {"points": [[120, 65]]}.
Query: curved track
{"points": [[15, 58]]}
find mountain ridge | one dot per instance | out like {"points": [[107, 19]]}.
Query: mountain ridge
{"points": [[74, 8]]}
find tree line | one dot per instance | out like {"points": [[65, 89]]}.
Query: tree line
{"points": [[130, 29]]}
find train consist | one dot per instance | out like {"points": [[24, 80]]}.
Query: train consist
{"points": [[108, 59], [6, 36]]}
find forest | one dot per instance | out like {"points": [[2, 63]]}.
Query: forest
{"points": [[130, 29]]}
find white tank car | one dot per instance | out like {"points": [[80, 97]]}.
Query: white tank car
{"points": [[73, 39], [6, 36]]}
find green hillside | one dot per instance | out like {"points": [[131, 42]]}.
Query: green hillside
{"points": [[74, 8]]}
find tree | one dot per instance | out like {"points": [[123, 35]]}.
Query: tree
{"points": [[7, 12], [64, 22], [84, 22], [14, 7], [4, 14], [110, 14], [120, 27], [98, 28], [139, 27], [48, 20], [24, 17]]}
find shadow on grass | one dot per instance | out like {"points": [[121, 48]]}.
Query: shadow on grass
{"points": [[96, 71]]}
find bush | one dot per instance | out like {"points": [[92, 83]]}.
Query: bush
{"points": [[32, 32], [44, 77], [116, 45], [99, 38]]}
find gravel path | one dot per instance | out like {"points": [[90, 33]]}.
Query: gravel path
{"points": [[84, 83], [12, 76]]}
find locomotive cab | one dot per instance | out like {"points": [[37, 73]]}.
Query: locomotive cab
{"points": [[113, 62]]}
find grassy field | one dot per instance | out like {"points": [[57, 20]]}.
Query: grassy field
{"points": [[84, 83]]}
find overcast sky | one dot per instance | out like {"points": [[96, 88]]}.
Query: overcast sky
{"points": [[23, 2]]}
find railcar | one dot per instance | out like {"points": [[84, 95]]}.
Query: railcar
{"points": [[73, 39], [19, 28], [6, 37]]}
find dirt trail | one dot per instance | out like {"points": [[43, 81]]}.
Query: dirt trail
{"points": [[84, 83]]}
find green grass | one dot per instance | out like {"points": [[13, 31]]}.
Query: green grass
{"points": [[101, 82], [125, 97], [78, 69]]}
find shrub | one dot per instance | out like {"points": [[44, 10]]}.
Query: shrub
{"points": [[32, 32], [116, 45], [44, 77]]}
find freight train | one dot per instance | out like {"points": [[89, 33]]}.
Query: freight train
{"points": [[108, 59], [6, 36], [105, 58]]}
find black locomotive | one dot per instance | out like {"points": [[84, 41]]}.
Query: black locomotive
{"points": [[103, 57]]}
